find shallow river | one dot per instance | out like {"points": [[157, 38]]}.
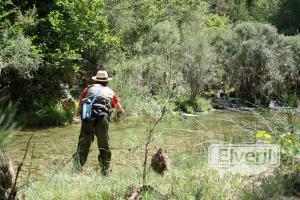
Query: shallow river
{"points": [[52, 148]]}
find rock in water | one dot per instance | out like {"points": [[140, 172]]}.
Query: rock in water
{"points": [[160, 161]]}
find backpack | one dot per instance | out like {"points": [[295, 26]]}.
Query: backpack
{"points": [[87, 106], [96, 106]]}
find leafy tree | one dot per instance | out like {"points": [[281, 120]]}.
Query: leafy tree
{"points": [[134, 20], [19, 58], [286, 70], [82, 30], [197, 55], [288, 17], [17, 54], [264, 10], [247, 56], [164, 44], [237, 10], [7, 13]]}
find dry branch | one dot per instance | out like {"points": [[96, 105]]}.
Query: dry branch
{"points": [[151, 130]]}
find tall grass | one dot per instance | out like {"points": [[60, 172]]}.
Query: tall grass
{"points": [[189, 178], [7, 124]]}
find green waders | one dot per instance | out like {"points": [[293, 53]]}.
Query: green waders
{"points": [[97, 127]]}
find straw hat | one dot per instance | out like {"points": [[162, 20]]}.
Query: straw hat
{"points": [[101, 76]]}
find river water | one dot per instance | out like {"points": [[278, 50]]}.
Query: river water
{"points": [[52, 148]]}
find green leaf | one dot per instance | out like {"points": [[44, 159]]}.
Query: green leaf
{"points": [[260, 134]]}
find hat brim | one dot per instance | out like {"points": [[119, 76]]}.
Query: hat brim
{"points": [[101, 80]]}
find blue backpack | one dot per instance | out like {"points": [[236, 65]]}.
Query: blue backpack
{"points": [[87, 106]]}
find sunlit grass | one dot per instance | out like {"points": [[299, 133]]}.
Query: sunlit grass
{"points": [[188, 178]]}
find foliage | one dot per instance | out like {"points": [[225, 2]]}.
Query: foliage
{"points": [[286, 70], [189, 106], [197, 55], [283, 130], [290, 143], [288, 17], [263, 137], [17, 54], [7, 11], [164, 43], [7, 125], [281, 13], [158, 50], [134, 20], [247, 59], [291, 100], [54, 113], [83, 31]]}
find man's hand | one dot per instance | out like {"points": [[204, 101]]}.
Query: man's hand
{"points": [[120, 108]]}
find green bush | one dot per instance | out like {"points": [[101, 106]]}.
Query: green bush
{"points": [[248, 55], [291, 100], [189, 106], [52, 114]]}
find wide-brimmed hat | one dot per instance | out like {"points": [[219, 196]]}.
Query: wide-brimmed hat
{"points": [[101, 76]]}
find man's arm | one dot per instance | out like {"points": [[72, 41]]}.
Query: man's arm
{"points": [[120, 108], [117, 104]]}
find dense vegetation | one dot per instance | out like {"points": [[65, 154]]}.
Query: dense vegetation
{"points": [[166, 50]]}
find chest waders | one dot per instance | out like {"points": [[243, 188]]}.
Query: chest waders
{"points": [[96, 125]]}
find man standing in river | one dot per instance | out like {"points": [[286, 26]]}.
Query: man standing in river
{"points": [[103, 100]]}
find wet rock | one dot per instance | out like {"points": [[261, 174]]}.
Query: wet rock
{"points": [[160, 161]]}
